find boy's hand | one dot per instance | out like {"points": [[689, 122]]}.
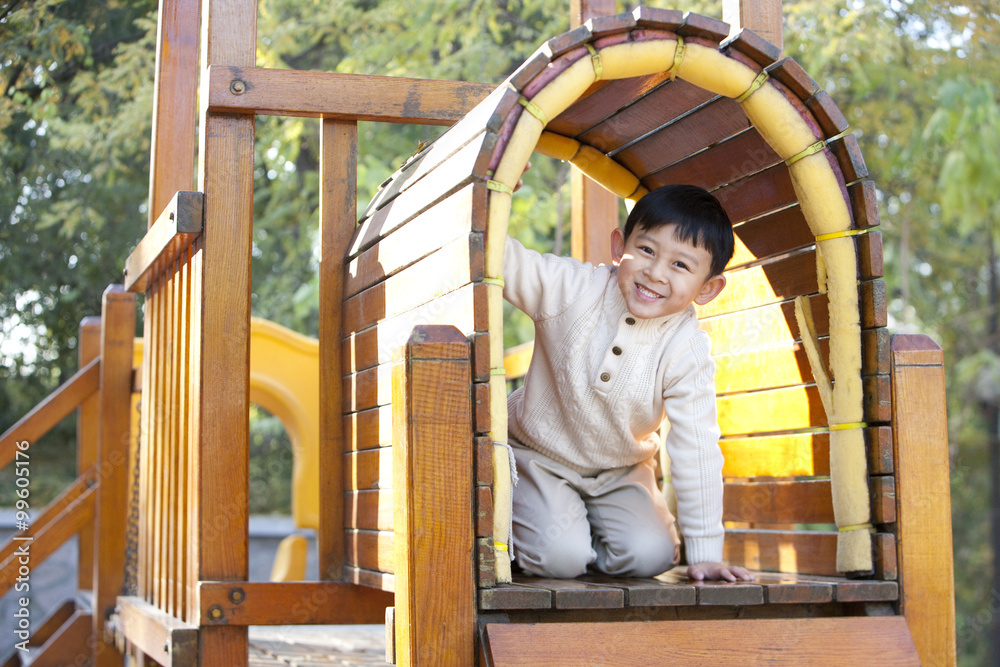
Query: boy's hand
{"points": [[703, 571]]}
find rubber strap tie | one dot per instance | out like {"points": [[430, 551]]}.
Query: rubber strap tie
{"points": [[759, 81], [595, 57], [499, 546], [497, 186], [811, 150], [848, 427], [840, 235], [498, 371], [493, 281], [678, 57], [533, 109], [858, 526]]}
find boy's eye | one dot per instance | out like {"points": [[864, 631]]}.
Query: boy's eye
{"points": [[682, 265], [646, 249]]}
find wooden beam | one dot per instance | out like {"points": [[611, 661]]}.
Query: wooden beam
{"points": [[351, 97], [221, 338], [774, 641], [89, 348], [162, 637], [70, 645], [435, 613], [50, 411], [175, 103], [762, 16], [172, 233], [338, 210], [111, 512], [593, 210], [298, 602], [923, 494]]}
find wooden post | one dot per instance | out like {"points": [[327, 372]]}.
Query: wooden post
{"points": [[594, 210], [175, 103], [762, 16], [221, 331], [338, 210], [114, 430], [923, 492], [435, 614], [89, 348]]}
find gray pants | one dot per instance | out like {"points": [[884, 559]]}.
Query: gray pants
{"points": [[617, 521]]}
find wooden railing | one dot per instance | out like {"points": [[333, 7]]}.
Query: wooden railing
{"points": [[93, 507]]}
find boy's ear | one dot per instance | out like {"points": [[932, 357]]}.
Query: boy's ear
{"points": [[710, 289], [617, 245]]}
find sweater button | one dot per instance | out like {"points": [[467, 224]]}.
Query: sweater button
{"points": [[616, 350], [605, 377], [630, 321]]}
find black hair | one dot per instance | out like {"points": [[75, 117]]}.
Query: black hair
{"points": [[697, 214]]}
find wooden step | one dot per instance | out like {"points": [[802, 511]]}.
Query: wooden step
{"points": [[802, 641]]}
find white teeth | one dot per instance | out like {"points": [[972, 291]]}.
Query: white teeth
{"points": [[651, 294]]}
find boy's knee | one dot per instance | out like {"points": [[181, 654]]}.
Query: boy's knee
{"points": [[559, 559], [645, 556]]}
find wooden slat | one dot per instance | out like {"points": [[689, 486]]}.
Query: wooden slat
{"points": [[298, 602], [763, 192], [88, 349], [607, 99], [44, 539], [806, 501], [368, 469], [369, 509], [620, 120], [71, 644], [460, 262], [743, 154], [370, 550], [773, 234], [162, 637], [514, 596], [766, 284], [50, 411], [462, 308], [784, 409], [799, 454], [341, 96], [172, 233], [338, 206], [111, 504], [757, 35], [714, 122], [922, 485], [429, 231], [435, 578], [803, 552], [468, 165], [368, 429], [577, 594], [780, 641]]}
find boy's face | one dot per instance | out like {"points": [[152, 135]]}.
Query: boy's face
{"points": [[661, 275]]}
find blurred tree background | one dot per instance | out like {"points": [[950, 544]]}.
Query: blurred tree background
{"points": [[912, 76]]}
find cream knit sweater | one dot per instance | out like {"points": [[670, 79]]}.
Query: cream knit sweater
{"points": [[601, 381]]}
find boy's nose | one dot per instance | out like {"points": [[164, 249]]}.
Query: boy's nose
{"points": [[658, 272]]}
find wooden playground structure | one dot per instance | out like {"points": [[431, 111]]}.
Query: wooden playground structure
{"points": [[837, 487]]}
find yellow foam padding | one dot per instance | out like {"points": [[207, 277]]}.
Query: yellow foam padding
{"points": [[778, 121], [710, 69], [810, 341], [502, 489], [621, 61], [565, 89], [498, 219], [602, 169], [520, 146], [850, 499], [290, 559], [557, 146], [636, 196], [495, 316]]}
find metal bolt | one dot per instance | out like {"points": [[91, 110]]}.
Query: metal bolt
{"points": [[236, 595], [238, 87], [215, 612]]}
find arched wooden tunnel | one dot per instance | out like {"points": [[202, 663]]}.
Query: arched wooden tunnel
{"points": [[637, 101]]}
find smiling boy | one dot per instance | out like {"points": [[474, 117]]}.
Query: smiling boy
{"points": [[617, 349]]}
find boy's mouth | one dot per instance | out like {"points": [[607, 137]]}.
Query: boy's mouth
{"points": [[647, 293]]}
